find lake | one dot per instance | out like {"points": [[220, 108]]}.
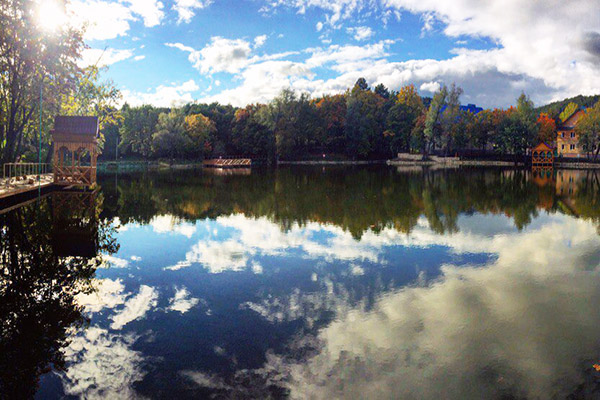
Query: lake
{"points": [[306, 282]]}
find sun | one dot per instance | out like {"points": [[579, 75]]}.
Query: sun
{"points": [[51, 15]]}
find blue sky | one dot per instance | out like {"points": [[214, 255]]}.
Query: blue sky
{"points": [[243, 51]]}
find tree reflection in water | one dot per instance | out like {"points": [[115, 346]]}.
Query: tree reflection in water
{"points": [[49, 253], [355, 199]]}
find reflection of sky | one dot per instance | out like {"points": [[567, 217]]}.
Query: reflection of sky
{"points": [[209, 304]]}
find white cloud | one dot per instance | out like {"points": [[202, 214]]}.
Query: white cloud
{"points": [[102, 365], [103, 19], [163, 96], [361, 33], [103, 57], [186, 8], [109, 19], [136, 307], [114, 262], [108, 293], [259, 41], [139, 58], [220, 55], [150, 11], [170, 224], [430, 87], [182, 301]]}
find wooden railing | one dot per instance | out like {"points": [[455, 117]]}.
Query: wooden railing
{"points": [[74, 175], [18, 170]]}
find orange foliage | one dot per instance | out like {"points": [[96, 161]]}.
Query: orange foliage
{"points": [[547, 129]]}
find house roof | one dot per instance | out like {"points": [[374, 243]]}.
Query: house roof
{"points": [[70, 125]]}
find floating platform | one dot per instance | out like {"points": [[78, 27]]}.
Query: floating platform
{"points": [[227, 163]]}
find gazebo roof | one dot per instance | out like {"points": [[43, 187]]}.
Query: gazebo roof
{"points": [[76, 126], [543, 146]]}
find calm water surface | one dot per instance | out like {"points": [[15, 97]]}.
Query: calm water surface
{"points": [[305, 283]]}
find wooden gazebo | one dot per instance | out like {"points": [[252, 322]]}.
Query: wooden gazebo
{"points": [[75, 150], [542, 155]]}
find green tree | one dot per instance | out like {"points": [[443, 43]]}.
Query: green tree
{"points": [[31, 61], [402, 116], [364, 121], [452, 126], [169, 139], [432, 130], [199, 130], [137, 129], [588, 130], [251, 137]]}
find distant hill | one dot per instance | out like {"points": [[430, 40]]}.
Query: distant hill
{"points": [[554, 109]]}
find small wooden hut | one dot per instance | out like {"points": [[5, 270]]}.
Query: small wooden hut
{"points": [[542, 155], [75, 142]]}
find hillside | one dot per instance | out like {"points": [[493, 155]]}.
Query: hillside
{"points": [[555, 108]]}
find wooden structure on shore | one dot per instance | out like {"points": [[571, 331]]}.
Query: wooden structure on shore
{"points": [[228, 163], [542, 155], [75, 150]]}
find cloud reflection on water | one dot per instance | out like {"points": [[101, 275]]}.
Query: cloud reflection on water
{"points": [[525, 325]]}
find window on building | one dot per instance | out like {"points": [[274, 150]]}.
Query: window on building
{"points": [[572, 134], [562, 146], [572, 147]]}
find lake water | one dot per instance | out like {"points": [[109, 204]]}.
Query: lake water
{"points": [[321, 283]]}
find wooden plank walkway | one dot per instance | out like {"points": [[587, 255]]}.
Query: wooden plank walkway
{"points": [[11, 187]]}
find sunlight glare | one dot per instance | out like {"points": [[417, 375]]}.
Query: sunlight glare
{"points": [[51, 15]]}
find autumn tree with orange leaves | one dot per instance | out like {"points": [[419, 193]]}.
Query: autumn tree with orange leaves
{"points": [[546, 129]]}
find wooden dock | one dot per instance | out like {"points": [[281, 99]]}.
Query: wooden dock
{"points": [[15, 186], [228, 163]]}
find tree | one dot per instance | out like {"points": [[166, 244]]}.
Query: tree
{"points": [[451, 118], [364, 122], [588, 130], [331, 116], [199, 130], [169, 139], [251, 137], [399, 124], [546, 129], [401, 118], [31, 62], [432, 120], [90, 96], [137, 129], [409, 96], [292, 120], [382, 91], [514, 134], [481, 129]]}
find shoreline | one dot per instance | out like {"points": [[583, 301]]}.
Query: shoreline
{"points": [[339, 162], [151, 165], [485, 163]]}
